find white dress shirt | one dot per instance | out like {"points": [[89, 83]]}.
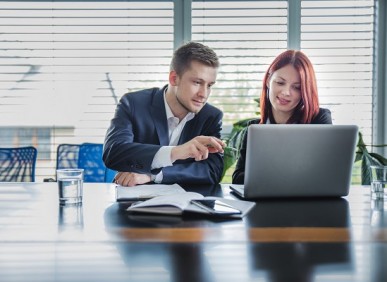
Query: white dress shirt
{"points": [[163, 156]]}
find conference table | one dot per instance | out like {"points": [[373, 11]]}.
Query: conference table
{"points": [[328, 239]]}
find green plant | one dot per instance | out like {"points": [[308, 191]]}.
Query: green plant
{"points": [[234, 140], [367, 159]]}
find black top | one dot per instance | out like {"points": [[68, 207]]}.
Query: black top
{"points": [[238, 177]]}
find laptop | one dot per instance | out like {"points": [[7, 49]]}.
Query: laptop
{"points": [[298, 160]]}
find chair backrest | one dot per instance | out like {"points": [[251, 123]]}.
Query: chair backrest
{"points": [[109, 175], [87, 156], [18, 164], [90, 159], [67, 156]]}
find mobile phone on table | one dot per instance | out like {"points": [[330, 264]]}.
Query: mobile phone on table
{"points": [[216, 207]]}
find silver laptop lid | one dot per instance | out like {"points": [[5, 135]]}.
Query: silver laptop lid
{"points": [[299, 160]]}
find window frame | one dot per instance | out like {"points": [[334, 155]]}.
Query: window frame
{"points": [[182, 32]]}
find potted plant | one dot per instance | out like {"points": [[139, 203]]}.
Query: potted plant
{"points": [[368, 159], [233, 142]]}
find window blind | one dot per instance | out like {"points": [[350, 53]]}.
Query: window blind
{"points": [[246, 35], [64, 65], [338, 36]]}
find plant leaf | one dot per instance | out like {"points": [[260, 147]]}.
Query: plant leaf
{"points": [[229, 157], [367, 162], [358, 157], [379, 158]]}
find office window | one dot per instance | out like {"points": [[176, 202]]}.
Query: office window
{"points": [[246, 35], [339, 38], [40, 138], [64, 65]]}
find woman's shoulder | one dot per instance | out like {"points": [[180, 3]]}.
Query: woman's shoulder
{"points": [[324, 116], [324, 111]]}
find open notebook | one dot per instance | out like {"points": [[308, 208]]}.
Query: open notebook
{"points": [[298, 161]]}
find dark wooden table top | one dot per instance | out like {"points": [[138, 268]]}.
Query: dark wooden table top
{"points": [[343, 239]]}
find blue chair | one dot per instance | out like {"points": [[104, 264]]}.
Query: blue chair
{"points": [[87, 156], [67, 156], [109, 175], [90, 159], [18, 164]]}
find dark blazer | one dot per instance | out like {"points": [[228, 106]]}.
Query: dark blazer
{"points": [[238, 177], [139, 129]]}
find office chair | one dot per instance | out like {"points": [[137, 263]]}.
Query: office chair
{"points": [[18, 164], [67, 156], [87, 156], [90, 159], [109, 175]]}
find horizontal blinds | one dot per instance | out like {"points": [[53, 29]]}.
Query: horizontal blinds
{"points": [[64, 66], [338, 36], [246, 35]]}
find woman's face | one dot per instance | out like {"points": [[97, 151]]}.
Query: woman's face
{"points": [[284, 92]]}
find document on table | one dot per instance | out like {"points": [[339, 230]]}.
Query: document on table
{"points": [[146, 191], [180, 204]]}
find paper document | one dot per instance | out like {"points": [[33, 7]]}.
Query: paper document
{"points": [[166, 204], [148, 191], [180, 204]]}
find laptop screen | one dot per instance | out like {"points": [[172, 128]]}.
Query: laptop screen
{"points": [[299, 160]]}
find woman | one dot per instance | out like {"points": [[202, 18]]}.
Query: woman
{"points": [[289, 95]]}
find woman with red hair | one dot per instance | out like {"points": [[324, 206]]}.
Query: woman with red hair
{"points": [[289, 95]]}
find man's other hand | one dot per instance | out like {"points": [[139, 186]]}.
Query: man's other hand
{"points": [[131, 178]]}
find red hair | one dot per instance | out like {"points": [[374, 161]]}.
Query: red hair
{"points": [[309, 104]]}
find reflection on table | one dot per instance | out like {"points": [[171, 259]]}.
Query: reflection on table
{"points": [[309, 253], [340, 239]]}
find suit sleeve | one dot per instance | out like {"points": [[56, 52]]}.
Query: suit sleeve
{"points": [[121, 152], [207, 171]]}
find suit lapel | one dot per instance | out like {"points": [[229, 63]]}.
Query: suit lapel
{"points": [[159, 117], [189, 131]]}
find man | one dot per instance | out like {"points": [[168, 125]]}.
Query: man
{"points": [[170, 135]]}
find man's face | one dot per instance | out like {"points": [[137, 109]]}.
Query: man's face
{"points": [[194, 87]]}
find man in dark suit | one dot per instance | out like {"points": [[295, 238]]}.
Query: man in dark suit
{"points": [[170, 135]]}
